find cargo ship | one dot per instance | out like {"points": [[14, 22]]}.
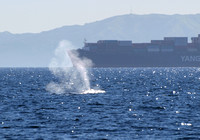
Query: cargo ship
{"points": [[169, 52]]}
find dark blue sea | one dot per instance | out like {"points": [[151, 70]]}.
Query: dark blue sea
{"points": [[139, 103]]}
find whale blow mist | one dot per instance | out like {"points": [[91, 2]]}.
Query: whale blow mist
{"points": [[70, 78]]}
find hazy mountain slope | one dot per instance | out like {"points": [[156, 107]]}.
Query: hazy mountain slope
{"points": [[37, 49]]}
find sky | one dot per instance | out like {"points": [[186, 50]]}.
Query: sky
{"points": [[22, 16]]}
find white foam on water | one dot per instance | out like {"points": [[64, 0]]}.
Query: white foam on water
{"points": [[74, 78], [93, 91]]}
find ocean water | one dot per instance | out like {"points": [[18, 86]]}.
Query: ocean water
{"points": [[139, 103]]}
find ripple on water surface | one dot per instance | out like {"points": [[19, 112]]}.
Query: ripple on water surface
{"points": [[150, 103]]}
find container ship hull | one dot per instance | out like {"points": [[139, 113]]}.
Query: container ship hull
{"points": [[142, 60], [170, 52]]}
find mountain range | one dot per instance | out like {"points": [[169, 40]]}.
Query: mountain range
{"points": [[37, 49]]}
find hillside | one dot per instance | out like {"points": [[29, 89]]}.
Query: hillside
{"points": [[36, 49]]}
